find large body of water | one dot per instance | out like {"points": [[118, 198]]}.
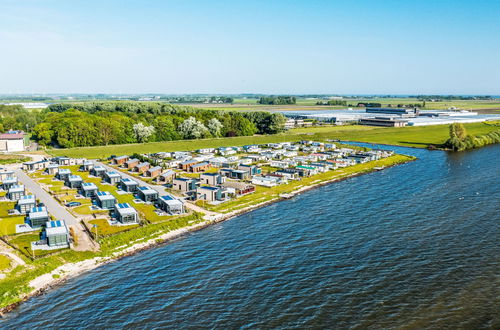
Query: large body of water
{"points": [[416, 245]]}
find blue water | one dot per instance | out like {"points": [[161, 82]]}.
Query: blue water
{"points": [[412, 246]]}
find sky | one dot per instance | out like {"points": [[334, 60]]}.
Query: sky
{"points": [[230, 47]]}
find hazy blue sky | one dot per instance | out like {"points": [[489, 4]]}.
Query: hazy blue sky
{"points": [[250, 46]]}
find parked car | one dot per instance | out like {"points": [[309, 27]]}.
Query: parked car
{"points": [[72, 204], [41, 204]]}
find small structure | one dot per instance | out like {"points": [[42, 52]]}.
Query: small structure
{"points": [[308, 170], [171, 205], [200, 167], [9, 182], [34, 165], [147, 194], [98, 171], [128, 185], [105, 200], [52, 168], [89, 189], [26, 203], [266, 181], [210, 194], [74, 181], [57, 234], [87, 165], [153, 172], [63, 174], [112, 177], [6, 174], [184, 184], [63, 161], [131, 163], [38, 216], [15, 192], [212, 179], [252, 169], [235, 174], [12, 141], [185, 165], [238, 188], [166, 177], [125, 213], [120, 160], [142, 167]]}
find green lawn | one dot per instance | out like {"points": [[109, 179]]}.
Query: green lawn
{"points": [[23, 243], [11, 159], [4, 262], [5, 207], [105, 229], [8, 224]]}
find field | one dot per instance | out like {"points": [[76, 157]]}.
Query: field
{"points": [[242, 104], [11, 159], [405, 136], [4, 262]]}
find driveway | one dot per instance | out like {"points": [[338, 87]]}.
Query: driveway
{"points": [[57, 210]]}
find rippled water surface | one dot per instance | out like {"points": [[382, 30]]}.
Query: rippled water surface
{"points": [[416, 245]]}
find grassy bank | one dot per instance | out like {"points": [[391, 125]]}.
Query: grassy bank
{"points": [[421, 136]]}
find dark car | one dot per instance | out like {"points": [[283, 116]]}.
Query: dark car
{"points": [[72, 204]]}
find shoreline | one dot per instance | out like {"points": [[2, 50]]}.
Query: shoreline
{"points": [[45, 282]]}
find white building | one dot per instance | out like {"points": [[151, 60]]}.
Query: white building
{"points": [[12, 141]]}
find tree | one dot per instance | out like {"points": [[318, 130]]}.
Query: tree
{"points": [[192, 129], [43, 133], [143, 132], [214, 127]]}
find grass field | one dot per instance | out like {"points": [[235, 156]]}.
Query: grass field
{"points": [[420, 136], [4, 262], [8, 224], [11, 159], [105, 229]]}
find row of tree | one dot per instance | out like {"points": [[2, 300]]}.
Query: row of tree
{"points": [[459, 139], [277, 100], [120, 122], [332, 102]]}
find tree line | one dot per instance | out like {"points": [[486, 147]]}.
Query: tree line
{"points": [[277, 100], [103, 123], [459, 139]]}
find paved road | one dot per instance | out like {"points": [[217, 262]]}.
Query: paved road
{"points": [[57, 210], [53, 206]]}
